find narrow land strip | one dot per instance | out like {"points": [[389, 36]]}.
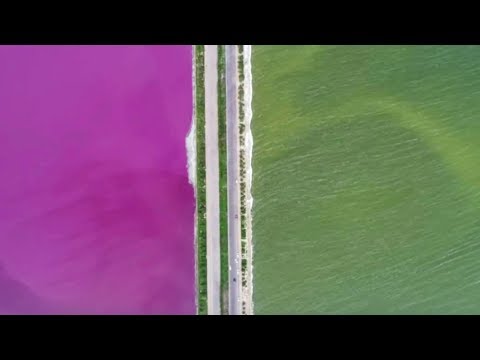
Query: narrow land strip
{"points": [[222, 149]]}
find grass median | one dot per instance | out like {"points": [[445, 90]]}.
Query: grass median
{"points": [[200, 184]]}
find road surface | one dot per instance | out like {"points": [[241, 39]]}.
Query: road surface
{"points": [[233, 179], [212, 180]]}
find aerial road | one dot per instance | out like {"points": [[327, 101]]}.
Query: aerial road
{"points": [[233, 182], [212, 180]]}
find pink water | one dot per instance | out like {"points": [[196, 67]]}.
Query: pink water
{"points": [[96, 211]]}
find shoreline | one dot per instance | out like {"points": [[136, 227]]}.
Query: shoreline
{"points": [[248, 113], [191, 146]]}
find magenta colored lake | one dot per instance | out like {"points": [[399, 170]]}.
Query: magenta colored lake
{"points": [[96, 211]]}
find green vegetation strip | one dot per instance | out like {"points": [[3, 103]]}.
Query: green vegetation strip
{"points": [[242, 142], [222, 148], [200, 184]]}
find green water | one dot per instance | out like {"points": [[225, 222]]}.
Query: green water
{"points": [[366, 179]]}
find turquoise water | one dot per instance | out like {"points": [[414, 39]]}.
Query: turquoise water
{"points": [[366, 179]]}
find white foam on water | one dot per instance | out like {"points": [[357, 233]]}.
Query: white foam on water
{"points": [[190, 143], [247, 86]]}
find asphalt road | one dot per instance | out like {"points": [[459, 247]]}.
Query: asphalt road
{"points": [[212, 180], [233, 179]]}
